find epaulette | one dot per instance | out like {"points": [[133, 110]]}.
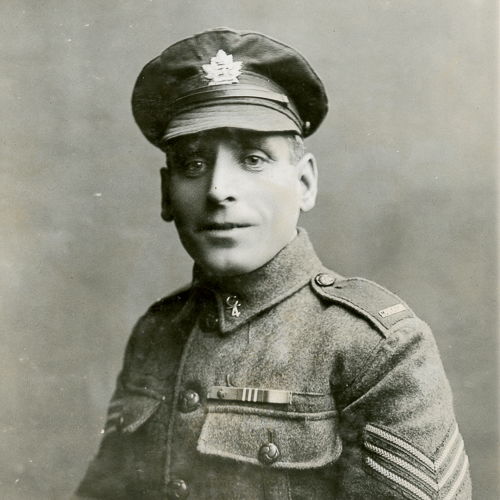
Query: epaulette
{"points": [[373, 302], [179, 296]]}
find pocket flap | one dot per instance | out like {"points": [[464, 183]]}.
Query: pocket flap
{"points": [[304, 440], [129, 412]]}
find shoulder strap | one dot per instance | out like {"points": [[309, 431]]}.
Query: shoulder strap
{"points": [[180, 295], [380, 307]]}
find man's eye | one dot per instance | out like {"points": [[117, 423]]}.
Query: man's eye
{"points": [[254, 161], [194, 168]]}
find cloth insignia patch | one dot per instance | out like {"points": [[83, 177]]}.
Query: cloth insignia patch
{"points": [[222, 69], [410, 471]]}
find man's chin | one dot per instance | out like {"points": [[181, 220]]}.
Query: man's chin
{"points": [[222, 264], [225, 270]]}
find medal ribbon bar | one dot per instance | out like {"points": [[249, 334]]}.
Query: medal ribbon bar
{"points": [[250, 394]]}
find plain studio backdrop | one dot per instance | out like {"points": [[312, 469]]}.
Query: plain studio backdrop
{"points": [[408, 189]]}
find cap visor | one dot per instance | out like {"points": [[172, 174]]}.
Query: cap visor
{"points": [[246, 116]]}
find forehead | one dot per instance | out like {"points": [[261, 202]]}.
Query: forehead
{"points": [[236, 138]]}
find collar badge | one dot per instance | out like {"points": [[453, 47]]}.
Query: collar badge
{"points": [[222, 69], [232, 303]]}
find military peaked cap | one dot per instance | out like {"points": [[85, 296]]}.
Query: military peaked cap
{"points": [[227, 78]]}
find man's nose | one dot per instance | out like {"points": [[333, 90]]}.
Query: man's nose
{"points": [[224, 183]]}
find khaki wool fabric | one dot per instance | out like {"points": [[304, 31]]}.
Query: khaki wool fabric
{"points": [[371, 413]]}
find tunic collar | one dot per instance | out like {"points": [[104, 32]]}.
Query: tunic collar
{"points": [[239, 298]]}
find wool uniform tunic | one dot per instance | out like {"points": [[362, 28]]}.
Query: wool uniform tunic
{"points": [[289, 382]]}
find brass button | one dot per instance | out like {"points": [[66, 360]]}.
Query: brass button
{"points": [[325, 279], [209, 322], [188, 401], [177, 489], [221, 393], [269, 453]]}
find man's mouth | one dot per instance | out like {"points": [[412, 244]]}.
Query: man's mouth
{"points": [[221, 226]]}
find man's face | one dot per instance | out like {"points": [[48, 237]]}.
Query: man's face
{"points": [[235, 196]]}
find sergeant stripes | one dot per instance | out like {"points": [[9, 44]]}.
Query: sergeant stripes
{"points": [[403, 464], [397, 479], [458, 481], [424, 478], [401, 444], [114, 418]]}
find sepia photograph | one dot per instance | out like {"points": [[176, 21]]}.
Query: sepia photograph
{"points": [[249, 251]]}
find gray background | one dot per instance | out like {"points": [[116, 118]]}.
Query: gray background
{"points": [[408, 198]]}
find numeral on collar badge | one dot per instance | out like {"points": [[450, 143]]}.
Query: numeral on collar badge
{"points": [[233, 303]]}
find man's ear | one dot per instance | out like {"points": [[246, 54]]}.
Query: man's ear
{"points": [[166, 206], [308, 178]]}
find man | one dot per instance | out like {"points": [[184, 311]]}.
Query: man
{"points": [[271, 377]]}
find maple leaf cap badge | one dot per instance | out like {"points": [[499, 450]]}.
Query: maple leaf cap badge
{"points": [[222, 69]]}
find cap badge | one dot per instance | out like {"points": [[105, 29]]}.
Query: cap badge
{"points": [[222, 69]]}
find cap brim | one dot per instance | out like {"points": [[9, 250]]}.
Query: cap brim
{"points": [[241, 115]]}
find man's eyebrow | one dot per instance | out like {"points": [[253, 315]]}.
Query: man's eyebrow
{"points": [[187, 147], [251, 141]]}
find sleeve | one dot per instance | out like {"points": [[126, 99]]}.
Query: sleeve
{"points": [[106, 473], [399, 434], [117, 469], [129, 463]]}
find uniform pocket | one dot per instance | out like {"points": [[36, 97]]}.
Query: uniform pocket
{"points": [[272, 438], [128, 413]]}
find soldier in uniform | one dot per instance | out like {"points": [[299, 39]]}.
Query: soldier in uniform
{"points": [[270, 377]]}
